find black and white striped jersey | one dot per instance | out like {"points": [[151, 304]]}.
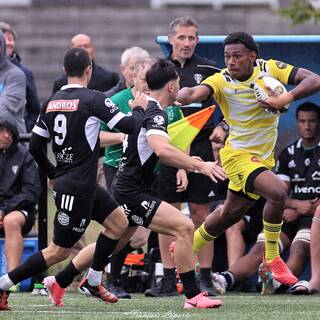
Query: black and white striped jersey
{"points": [[301, 168], [71, 119], [135, 173]]}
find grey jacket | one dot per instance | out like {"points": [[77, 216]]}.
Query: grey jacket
{"points": [[12, 87], [19, 175]]}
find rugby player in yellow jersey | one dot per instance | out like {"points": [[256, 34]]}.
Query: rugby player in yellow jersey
{"points": [[248, 155]]}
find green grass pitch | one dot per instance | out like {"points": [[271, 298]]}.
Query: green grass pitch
{"points": [[239, 306]]}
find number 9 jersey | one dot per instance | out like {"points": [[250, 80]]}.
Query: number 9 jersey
{"points": [[71, 118]]}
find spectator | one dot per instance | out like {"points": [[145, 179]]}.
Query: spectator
{"points": [[19, 190], [32, 108], [128, 59], [308, 118], [192, 69], [314, 285], [101, 80], [12, 87]]}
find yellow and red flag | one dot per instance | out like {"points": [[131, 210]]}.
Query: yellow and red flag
{"points": [[183, 132]]}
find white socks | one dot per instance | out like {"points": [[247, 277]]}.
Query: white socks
{"points": [[94, 277], [5, 282]]}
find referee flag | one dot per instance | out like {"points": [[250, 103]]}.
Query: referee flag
{"points": [[183, 132]]}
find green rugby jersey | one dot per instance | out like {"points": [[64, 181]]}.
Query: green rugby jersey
{"points": [[113, 153]]}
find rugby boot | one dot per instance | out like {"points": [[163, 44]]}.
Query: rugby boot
{"points": [[280, 271], [99, 292], [56, 293], [4, 294], [201, 301]]}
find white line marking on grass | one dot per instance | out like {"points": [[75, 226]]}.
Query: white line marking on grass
{"points": [[134, 314]]}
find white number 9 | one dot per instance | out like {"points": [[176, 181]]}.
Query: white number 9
{"points": [[60, 128]]}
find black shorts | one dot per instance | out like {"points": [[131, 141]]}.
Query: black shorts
{"points": [[290, 229], [29, 215], [74, 213], [139, 208], [201, 189], [109, 174], [104, 203]]}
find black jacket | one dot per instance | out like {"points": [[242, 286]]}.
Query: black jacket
{"points": [[121, 85], [195, 70], [32, 104], [19, 177], [101, 79]]}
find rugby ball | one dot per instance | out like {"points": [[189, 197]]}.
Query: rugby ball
{"points": [[261, 91]]}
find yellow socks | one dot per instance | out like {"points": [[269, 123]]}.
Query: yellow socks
{"points": [[201, 238], [272, 234]]}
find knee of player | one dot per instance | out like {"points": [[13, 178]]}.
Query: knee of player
{"points": [[116, 224], [56, 253], [122, 226], [186, 228], [139, 242], [117, 231], [11, 223], [229, 219], [140, 237], [301, 242], [278, 195]]}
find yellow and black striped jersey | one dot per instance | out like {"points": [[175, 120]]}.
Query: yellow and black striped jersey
{"points": [[252, 129]]}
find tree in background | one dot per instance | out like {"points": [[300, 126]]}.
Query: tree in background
{"points": [[302, 11]]}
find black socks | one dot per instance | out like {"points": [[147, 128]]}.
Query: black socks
{"points": [[190, 286], [33, 265], [104, 248], [65, 277]]}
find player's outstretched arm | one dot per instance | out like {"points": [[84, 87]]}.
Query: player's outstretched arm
{"points": [[172, 156], [108, 138], [138, 105], [129, 124], [189, 95]]}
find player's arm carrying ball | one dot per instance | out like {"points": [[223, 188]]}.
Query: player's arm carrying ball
{"points": [[306, 83]]}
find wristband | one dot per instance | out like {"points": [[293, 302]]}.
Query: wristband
{"points": [[224, 126]]}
